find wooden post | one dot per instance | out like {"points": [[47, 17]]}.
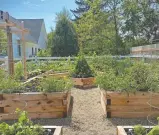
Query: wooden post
{"points": [[10, 52], [24, 51]]}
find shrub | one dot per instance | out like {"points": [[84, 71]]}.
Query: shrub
{"points": [[52, 84], [82, 69], [23, 127], [138, 77], [140, 73], [102, 63], [107, 80], [44, 53]]}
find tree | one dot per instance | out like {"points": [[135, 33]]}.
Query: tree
{"points": [[141, 21], [113, 7], [65, 38], [82, 8], [94, 30], [50, 37], [3, 43]]}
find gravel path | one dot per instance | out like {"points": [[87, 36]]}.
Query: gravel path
{"points": [[87, 115]]}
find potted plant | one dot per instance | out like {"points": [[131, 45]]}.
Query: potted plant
{"points": [[41, 98], [82, 75], [126, 92], [25, 126]]}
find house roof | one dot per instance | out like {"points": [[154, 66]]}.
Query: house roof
{"points": [[34, 26]]}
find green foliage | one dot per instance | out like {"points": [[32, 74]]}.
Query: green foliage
{"points": [[65, 38], [102, 63], [18, 71], [140, 73], [82, 69], [9, 85], [154, 131], [23, 127], [139, 130], [55, 84], [2, 74], [107, 80], [93, 29], [50, 37], [82, 8], [35, 73], [43, 53], [129, 77], [57, 66]]}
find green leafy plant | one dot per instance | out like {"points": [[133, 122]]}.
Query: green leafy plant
{"points": [[18, 71], [44, 53], [55, 84], [129, 77], [140, 73], [82, 69], [102, 63], [2, 74], [9, 85], [139, 130], [23, 127], [154, 131], [35, 73]]}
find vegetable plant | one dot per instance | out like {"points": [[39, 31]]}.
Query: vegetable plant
{"points": [[23, 127], [139, 130]]}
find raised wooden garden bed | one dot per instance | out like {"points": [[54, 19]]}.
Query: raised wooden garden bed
{"points": [[127, 130], [122, 105], [38, 105], [84, 82], [65, 74]]}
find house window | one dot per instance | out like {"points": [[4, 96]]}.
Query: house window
{"points": [[32, 51], [19, 50]]}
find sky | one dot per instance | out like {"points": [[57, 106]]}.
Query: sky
{"points": [[37, 9]]}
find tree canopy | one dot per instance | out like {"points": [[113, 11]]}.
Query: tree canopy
{"points": [[114, 26], [65, 37]]}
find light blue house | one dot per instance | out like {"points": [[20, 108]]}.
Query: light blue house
{"points": [[36, 39]]}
